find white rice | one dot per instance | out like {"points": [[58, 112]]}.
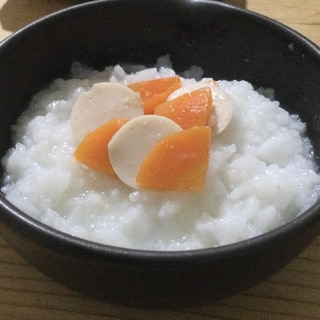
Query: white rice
{"points": [[261, 174]]}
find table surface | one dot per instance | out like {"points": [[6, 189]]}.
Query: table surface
{"points": [[292, 293]]}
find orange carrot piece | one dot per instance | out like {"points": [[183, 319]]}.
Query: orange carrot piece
{"points": [[154, 92], [93, 149], [188, 110], [178, 162]]}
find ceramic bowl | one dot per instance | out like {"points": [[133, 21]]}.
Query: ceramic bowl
{"points": [[228, 43]]}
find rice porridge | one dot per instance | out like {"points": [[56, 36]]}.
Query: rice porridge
{"points": [[261, 173]]}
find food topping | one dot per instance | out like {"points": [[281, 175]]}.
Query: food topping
{"points": [[154, 92], [132, 143], [179, 161], [105, 101], [222, 104], [153, 134], [93, 151], [190, 109]]}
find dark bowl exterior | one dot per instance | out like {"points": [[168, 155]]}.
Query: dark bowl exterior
{"points": [[228, 43]]}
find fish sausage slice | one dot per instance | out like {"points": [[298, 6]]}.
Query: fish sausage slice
{"points": [[222, 103], [133, 141], [103, 102]]}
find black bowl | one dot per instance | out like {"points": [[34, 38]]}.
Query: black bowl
{"points": [[228, 43]]}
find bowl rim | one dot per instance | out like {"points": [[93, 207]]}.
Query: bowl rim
{"points": [[271, 22], [53, 236]]}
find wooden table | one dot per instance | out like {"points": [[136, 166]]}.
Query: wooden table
{"points": [[292, 293]]}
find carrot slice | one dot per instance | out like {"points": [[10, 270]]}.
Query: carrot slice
{"points": [[178, 162], [154, 92], [93, 149], [190, 109]]}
